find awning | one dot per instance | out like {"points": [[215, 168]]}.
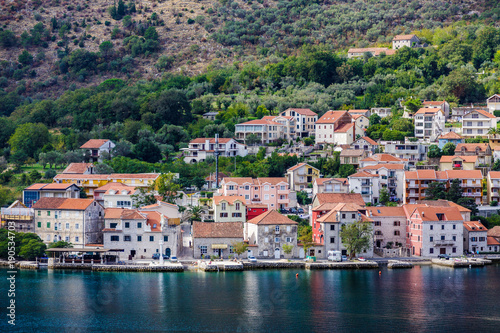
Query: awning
{"points": [[219, 246]]}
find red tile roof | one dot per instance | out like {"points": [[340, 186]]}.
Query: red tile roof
{"points": [[260, 122], [450, 135], [344, 128], [114, 186], [474, 226], [369, 140], [430, 213], [492, 241], [94, 143], [362, 174], [466, 159], [36, 186], [471, 147], [63, 203], [230, 199], [404, 37], [305, 112], [428, 110], [444, 175], [331, 117], [494, 174], [494, 232], [340, 198], [386, 211], [271, 217], [218, 230], [384, 158], [211, 140], [438, 103], [484, 113], [238, 180], [388, 166], [321, 181], [77, 167], [272, 180]]}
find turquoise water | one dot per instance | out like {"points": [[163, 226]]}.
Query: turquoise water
{"points": [[423, 299]]}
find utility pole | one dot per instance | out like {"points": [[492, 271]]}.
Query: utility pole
{"points": [[216, 153]]}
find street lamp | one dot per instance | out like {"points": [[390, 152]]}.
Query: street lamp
{"points": [[161, 252]]}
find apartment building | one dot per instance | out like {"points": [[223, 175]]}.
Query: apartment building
{"points": [[443, 105], [449, 137], [493, 186], [289, 125], [330, 185], [335, 127], [201, 148], [416, 183], [429, 123], [301, 175], [265, 130], [374, 51], [366, 144], [305, 120], [273, 192], [458, 163], [382, 159], [478, 123], [405, 40], [391, 177], [481, 150], [493, 103], [95, 148], [33, 193], [229, 208], [366, 184], [19, 215], [389, 227], [475, 237], [413, 152], [431, 231], [76, 221], [353, 156]]}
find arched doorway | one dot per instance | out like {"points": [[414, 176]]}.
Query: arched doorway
{"points": [[167, 252], [276, 253]]}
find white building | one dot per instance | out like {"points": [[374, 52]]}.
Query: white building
{"points": [[429, 123], [115, 195], [305, 120], [289, 123], [493, 103], [374, 51], [381, 112], [335, 127], [413, 152], [443, 105], [391, 177], [201, 148], [265, 130], [478, 123], [405, 40], [366, 184], [475, 237], [95, 148]]}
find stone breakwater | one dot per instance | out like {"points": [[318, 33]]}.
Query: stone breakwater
{"points": [[273, 265], [462, 263], [138, 268], [399, 264], [343, 265]]}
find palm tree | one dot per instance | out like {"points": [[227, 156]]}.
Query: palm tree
{"points": [[194, 213], [494, 131]]}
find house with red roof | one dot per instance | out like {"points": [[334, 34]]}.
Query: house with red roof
{"points": [[266, 130], [76, 221], [481, 150], [429, 123], [493, 103], [231, 208], [452, 137], [443, 105], [389, 230], [412, 152], [94, 149], [305, 120], [335, 127], [79, 168], [458, 163], [367, 184], [216, 239], [140, 234], [365, 143], [391, 177], [288, 123], [478, 123], [475, 237], [330, 185], [34, 192], [301, 176], [405, 40], [115, 195], [201, 148]]}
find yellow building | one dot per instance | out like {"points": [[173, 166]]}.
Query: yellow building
{"points": [[301, 175], [458, 163]]}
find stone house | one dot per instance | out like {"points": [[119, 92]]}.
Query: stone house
{"points": [[405, 40], [76, 221], [481, 150], [20, 215], [270, 231], [335, 127], [475, 237], [95, 148], [353, 156], [136, 234], [216, 238], [366, 144], [389, 226], [449, 137]]}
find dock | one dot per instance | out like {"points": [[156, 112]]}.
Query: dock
{"points": [[462, 263]]}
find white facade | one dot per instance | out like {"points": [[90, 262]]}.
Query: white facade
{"points": [[305, 120], [475, 237], [381, 112], [478, 123], [405, 40], [429, 123], [366, 184], [493, 103], [202, 148]]}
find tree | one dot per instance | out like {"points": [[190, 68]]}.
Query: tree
{"points": [[469, 203], [147, 151], [356, 237], [7, 38], [305, 237], [239, 247], [435, 191], [434, 151], [167, 187], [287, 248], [25, 58], [303, 198], [194, 213], [170, 107], [106, 48], [103, 169], [374, 119], [455, 191], [413, 105], [462, 84], [29, 138], [151, 33], [34, 176], [384, 196], [143, 197], [199, 182], [60, 244], [252, 139], [346, 170], [448, 149]]}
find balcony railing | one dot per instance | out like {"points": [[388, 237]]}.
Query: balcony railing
{"points": [[444, 242], [477, 194], [413, 186]]}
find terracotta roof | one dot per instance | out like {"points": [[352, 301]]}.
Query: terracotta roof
{"points": [[492, 241], [113, 213], [115, 186], [331, 117], [450, 135], [218, 230], [238, 180], [112, 176], [474, 226], [344, 128], [321, 181], [471, 147], [340, 198], [438, 103], [464, 174], [385, 211], [260, 122], [494, 232], [375, 50], [388, 166], [230, 199], [36, 186], [77, 167], [331, 216], [404, 37], [494, 174], [428, 110], [256, 206], [443, 203], [94, 143], [362, 174], [62, 203], [466, 159], [80, 176], [444, 175], [305, 112], [272, 180], [384, 158], [352, 152], [211, 140], [271, 217], [484, 113], [296, 166], [430, 213], [369, 140], [153, 218]]}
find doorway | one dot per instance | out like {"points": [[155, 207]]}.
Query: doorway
{"points": [[378, 244], [276, 253], [167, 252], [442, 250]]}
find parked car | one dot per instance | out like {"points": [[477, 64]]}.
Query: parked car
{"points": [[156, 256], [361, 259], [284, 211], [293, 210], [300, 211], [252, 259], [344, 258], [173, 259], [444, 256]]}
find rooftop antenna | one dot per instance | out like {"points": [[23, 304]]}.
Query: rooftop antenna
{"points": [[216, 153]]}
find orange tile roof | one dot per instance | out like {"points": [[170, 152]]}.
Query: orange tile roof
{"points": [[340, 198], [94, 143], [115, 186], [153, 218], [238, 180], [321, 181], [331, 117], [384, 158], [450, 135], [443, 203], [63, 203], [466, 159], [471, 147], [369, 140], [305, 112], [494, 232], [428, 110], [36, 186], [388, 166], [211, 140], [474, 226], [352, 152], [464, 174], [404, 37], [362, 174], [433, 102], [492, 241], [272, 180], [260, 122], [218, 230], [344, 128], [494, 174], [296, 166], [77, 167], [230, 199], [484, 113], [113, 213], [271, 217], [421, 174], [444, 175], [385, 211], [430, 213]]}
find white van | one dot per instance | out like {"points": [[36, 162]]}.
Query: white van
{"points": [[334, 256]]}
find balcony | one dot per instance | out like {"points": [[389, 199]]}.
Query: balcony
{"points": [[257, 199], [366, 192], [424, 185], [443, 242], [494, 194], [412, 185], [284, 201], [413, 195], [288, 191], [477, 194]]}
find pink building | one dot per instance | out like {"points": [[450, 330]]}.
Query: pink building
{"points": [[273, 192]]}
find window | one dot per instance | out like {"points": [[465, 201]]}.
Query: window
{"points": [[151, 238], [397, 223], [236, 214], [442, 227], [442, 237], [396, 233], [223, 214], [288, 228], [203, 249], [454, 226], [454, 250], [332, 227], [266, 196], [39, 224], [223, 206], [473, 239], [39, 213], [77, 239], [139, 238], [343, 216], [115, 238], [353, 216], [431, 251], [332, 240], [266, 240], [276, 239], [127, 224], [48, 213], [231, 249], [165, 238], [77, 226], [266, 229], [432, 227], [377, 223], [66, 239], [266, 188], [139, 225], [237, 206], [48, 225], [431, 239], [282, 187], [277, 228], [230, 187], [481, 239], [126, 238], [454, 238], [247, 187], [113, 225], [247, 197]]}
